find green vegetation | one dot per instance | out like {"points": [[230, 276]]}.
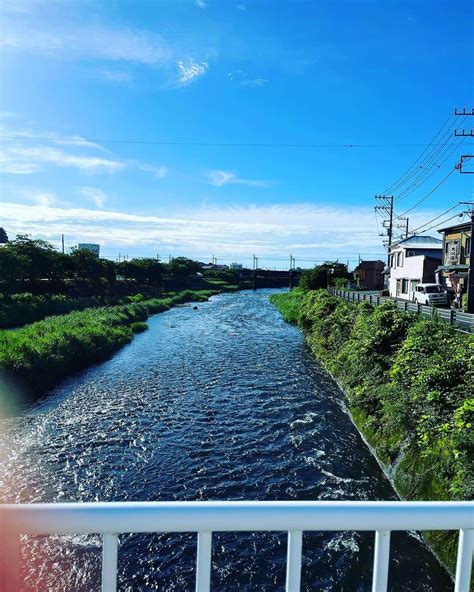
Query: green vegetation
{"points": [[35, 357], [20, 309], [409, 382], [289, 304], [327, 274]]}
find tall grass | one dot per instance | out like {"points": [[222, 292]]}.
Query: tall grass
{"points": [[21, 309], [289, 304], [35, 357]]}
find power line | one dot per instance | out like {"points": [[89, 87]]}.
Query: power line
{"points": [[426, 174], [443, 222], [402, 179], [436, 218], [211, 144], [428, 194]]}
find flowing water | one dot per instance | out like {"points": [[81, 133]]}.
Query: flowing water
{"points": [[220, 403]]}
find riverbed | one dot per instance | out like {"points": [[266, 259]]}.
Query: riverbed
{"points": [[220, 403]]}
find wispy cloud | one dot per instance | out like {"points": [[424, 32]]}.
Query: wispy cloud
{"points": [[120, 44], [189, 70], [308, 231], [160, 172], [108, 44], [94, 194], [27, 160], [221, 178], [201, 4], [255, 82], [118, 76], [240, 77]]}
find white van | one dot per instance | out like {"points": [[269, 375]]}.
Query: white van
{"points": [[431, 294]]}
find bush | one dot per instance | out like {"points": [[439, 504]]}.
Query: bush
{"points": [[409, 382]]}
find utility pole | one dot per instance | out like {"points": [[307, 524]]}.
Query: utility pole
{"points": [[387, 208], [62, 243], [460, 164], [470, 277], [463, 133]]}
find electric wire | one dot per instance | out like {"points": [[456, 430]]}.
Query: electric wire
{"points": [[395, 184], [428, 194], [431, 157], [426, 174], [208, 144], [436, 218]]}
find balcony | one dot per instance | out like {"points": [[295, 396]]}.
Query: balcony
{"points": [[113, 518]]}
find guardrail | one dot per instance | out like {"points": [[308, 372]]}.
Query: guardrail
{"points": [[113, 518], [464, 321]]}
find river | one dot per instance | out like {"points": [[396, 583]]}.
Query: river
{"points": [[220, 403]]}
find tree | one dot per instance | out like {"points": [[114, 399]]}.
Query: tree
{"points": [[322, 276], [3, 236], [144, 271], [181, 270], [41, 260]]}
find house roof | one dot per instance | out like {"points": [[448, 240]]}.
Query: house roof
{"points": [[420, 242], [454, 227]]}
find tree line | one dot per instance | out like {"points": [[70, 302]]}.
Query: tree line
{"points": [[36, 265]]}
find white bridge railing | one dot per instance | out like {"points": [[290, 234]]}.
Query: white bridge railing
{"points": [[112, 518]]}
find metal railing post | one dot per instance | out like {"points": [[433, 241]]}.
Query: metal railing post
{"points": [[293, 561], [109, 562], [381, 560], [203, 563], [464, 560], [452, 316]]}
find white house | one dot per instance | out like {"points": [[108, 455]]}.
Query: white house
{"points": [[413, 260]]}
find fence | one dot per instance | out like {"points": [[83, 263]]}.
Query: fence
{"points": [[464, 321], [112, 518]]}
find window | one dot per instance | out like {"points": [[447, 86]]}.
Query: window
{"points": [[399, 259], [467, 248], [404, 286]]}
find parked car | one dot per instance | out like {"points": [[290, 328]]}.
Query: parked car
{"points": [[431, 294]]}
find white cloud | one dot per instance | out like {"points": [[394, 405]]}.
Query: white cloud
{"points": [[160, 172], [221, 178], [107, 44], [305, 230], [27, 160], [10, 134], [201, 3], [189, 70], [120, 44], [95, 195], [242, 78], [39, 197], [118, 76], [254, 82]]}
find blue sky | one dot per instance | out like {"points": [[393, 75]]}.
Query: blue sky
{"points": [[203, 72]]}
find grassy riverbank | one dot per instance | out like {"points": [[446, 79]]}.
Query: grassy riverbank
{"points": [[409, 383], [35, 357]]}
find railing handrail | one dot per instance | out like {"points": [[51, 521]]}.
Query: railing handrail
{"points": [[295, 517], [195, 516]]}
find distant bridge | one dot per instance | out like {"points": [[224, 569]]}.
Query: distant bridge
{"points": [[265, 278]]}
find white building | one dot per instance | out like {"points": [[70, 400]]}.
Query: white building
{"points": [[413, 260]]}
